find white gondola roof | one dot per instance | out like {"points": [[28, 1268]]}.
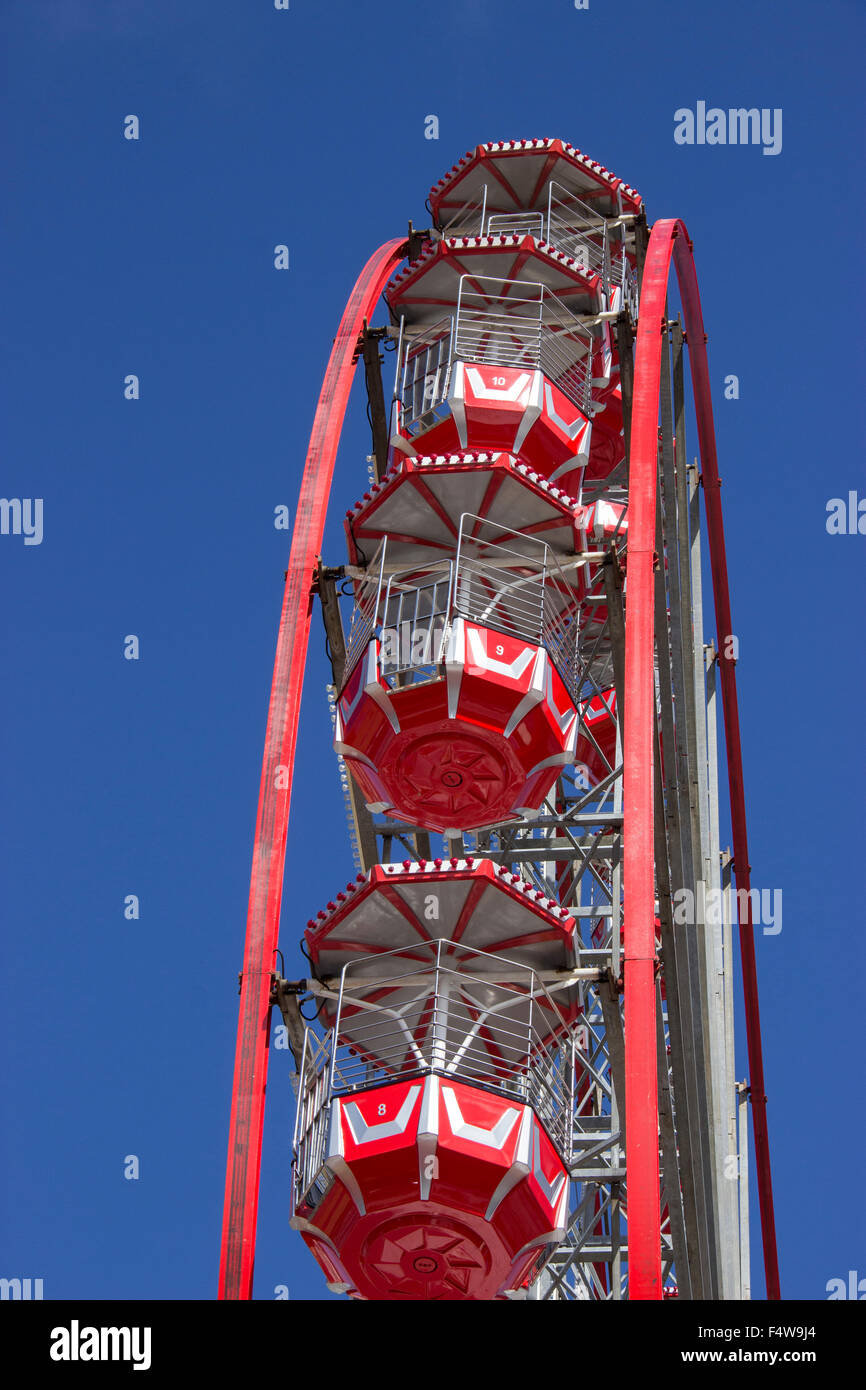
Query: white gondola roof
{"points": [[429, 286], [419, 502], [517, 174]]}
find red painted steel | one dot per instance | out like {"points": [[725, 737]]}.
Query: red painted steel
{"points": [[516, 410], [419, 502], [441, 751], [641, 1081], [517, 173], [496, 1197], [670, 238], [481, 906], [266, 883]]}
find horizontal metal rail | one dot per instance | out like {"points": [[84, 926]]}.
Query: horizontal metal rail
{"points": [[459, 1022], [523, 324], [572, 226], [518, 324], [516, 224], [518, 589], [424, 380], [566, 224]]}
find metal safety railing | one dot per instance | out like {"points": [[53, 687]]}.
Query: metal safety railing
{"points": [[414, 625], [471, 218], [437, 1008], [310, 1136], [515, 323], [424, 370], [578, 230], [364, 611], [624, 276], [498, 578], [516, 224], [503, 323], [566, 223]]}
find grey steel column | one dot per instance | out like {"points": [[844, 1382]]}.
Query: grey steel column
{"points": [[720, 1078], [743, 1113]]}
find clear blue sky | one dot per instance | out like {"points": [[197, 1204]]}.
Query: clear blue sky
{"points": [[155, 257]]}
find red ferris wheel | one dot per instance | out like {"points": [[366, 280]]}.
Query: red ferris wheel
{"points": [[521, 1081]]}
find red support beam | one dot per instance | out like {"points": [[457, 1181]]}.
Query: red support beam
{"points": [[669, 239], [639, 716], [266, 881]]}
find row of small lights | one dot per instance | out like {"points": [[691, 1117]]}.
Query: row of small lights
{"points": [[503, 239], [454, 460], [495, 146], [446, 460], [511, 239], [513, 881]]}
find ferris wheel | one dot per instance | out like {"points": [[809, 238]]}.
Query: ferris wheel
{"points": [[521, 1081]]}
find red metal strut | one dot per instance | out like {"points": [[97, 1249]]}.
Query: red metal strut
{"points": [[266, 880], [670, 238]]}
